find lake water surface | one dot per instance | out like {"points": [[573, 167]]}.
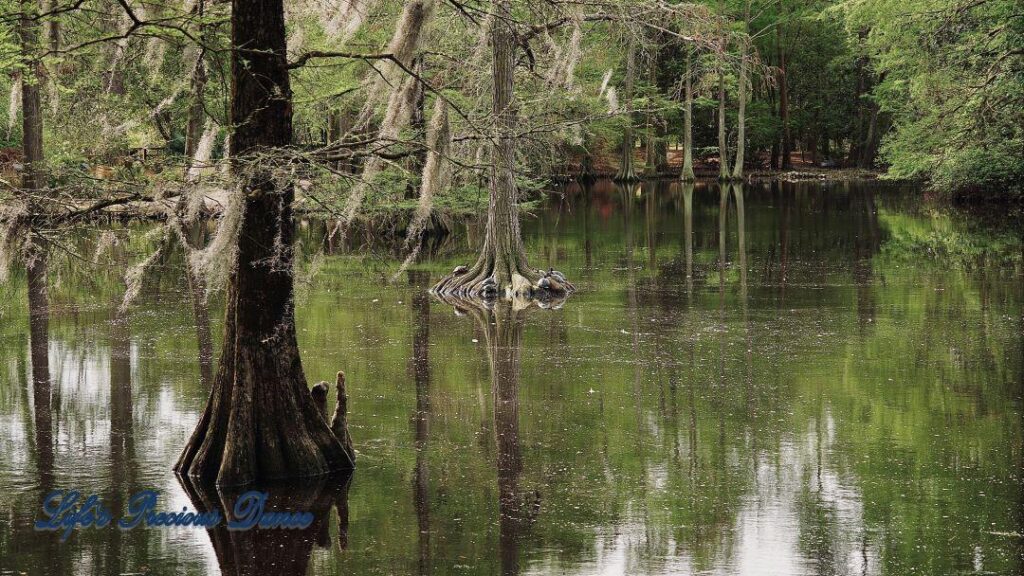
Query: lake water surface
{"points": [[782, 379]]}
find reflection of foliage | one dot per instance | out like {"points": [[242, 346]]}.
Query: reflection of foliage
{"points": [[724, 407], [948, 239]]}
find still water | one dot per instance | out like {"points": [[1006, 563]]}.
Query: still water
{"points": [[795, 379]]}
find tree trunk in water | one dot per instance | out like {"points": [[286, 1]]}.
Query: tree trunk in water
{"points": [[787, 140], [36, 251], [260, 422], [723, 144], [501, 269], [687, 174], [741, 121], [626, 172]]}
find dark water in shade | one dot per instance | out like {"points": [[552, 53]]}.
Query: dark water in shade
{"points": [[806, 379]]}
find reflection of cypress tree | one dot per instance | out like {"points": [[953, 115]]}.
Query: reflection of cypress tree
{"points": [[421, 420], [39, 334], [865, 244], [653, 190], [588, 243], [122, 443], [504, 343], [284, 552], [723, 221], [688, 243], [688, 237], [504, 331], [502, 327], [42, 387]]}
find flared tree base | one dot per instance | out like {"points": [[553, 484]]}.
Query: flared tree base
{"points": [[488, 281]]}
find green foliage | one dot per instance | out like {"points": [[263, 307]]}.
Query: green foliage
{"points": [[951, 76]]}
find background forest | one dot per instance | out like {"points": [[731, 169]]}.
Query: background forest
{"points": [[133, 96]]}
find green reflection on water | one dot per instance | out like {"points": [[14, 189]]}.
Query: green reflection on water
{"points": [[805, 379]]}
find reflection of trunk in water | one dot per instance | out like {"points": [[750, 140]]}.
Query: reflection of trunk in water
{"points": [[723, 221], [650, 207], [504, 350], [688, 242], [502, 327], [688, 236], [632, 304], [865, 244], [39, 331], [741, 248], [420, 281], [122, 443], [283, 552], [588, 243]]}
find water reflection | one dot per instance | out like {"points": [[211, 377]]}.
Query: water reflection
{"points": [[42, 389], [420, 283], [502, 326], [752, 379], [285, 552]]}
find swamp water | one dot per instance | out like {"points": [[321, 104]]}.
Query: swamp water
{"points": [[794, 379]]}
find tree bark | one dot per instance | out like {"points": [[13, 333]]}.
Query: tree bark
{"points": [[33, 180], [787, 139], [723, 144], [651, 136], [260, 422], [687, 174], [741, 121], [626, 171]]}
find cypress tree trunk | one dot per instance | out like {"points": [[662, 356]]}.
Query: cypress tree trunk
{"points": [[501, 269], [651, 135], [32, 181], [36, 254], [626, 171], [194, 127], [723, 144], [741, 132], [741, 121], [260, 422], [687, 174], [787, 138]]}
